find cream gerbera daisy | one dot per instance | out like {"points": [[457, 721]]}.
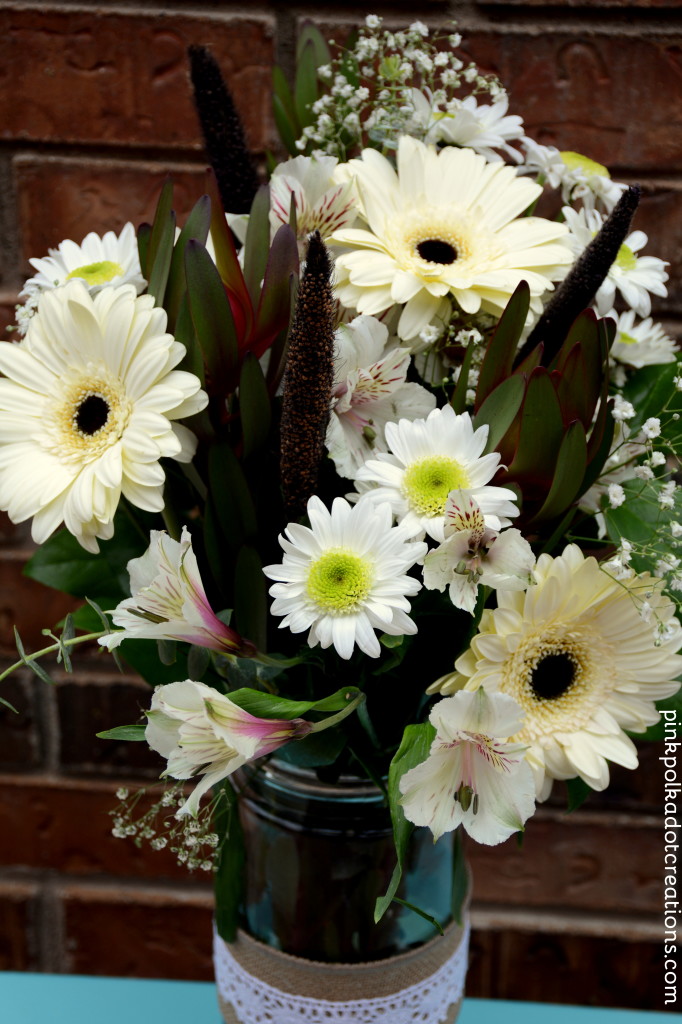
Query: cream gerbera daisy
{"points": [[585, 656], [428, 459], [109, 260], [445, 224], [637, 278], [345, 576], [86, 406], [641, 344]]}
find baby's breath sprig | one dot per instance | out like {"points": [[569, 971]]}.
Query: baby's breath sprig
{"points": [[370, 98], [192, 840]]}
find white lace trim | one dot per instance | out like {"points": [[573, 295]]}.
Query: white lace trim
{"points": [[256, 1002]]}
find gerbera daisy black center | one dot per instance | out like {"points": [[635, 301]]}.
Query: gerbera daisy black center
{"points": [[435, 250], [91, 415], [553, 676]]}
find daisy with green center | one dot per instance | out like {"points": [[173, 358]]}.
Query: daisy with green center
{"points": [[345, 576], [87, 405], [370, 390], [446, 226], [640, 344], [579, 176], [637, 278], [582, 659], [98, 261], [429, 458], [473, 776]]}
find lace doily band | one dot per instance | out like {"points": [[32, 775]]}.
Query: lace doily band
{"points": [[261, 985]]}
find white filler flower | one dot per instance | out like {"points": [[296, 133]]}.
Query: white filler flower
{"points": [[345, 576], [446, 224], [86, 411], [427, 460], [109, 260], [580, 659], [472, 777]]}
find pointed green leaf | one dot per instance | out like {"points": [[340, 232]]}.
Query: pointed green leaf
{"points": [[305, 85], [568, 474], [282, 91], [144, 234], [211, 316], [541, 431], [254, 406], [130, 733], [269, 705], [285, 127], [274, 309], [161, 244], [257, 243], [459, 395], [196, 226], [311, 36], [227, 262], [499, 358], [250, 597], [500, 409]]}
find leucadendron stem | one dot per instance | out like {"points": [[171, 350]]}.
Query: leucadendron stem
{"points": [[328, 723]]}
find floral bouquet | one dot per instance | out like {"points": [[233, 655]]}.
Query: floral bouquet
{"points": [[369, 468]]}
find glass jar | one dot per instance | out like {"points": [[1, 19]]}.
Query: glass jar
{"points": [[317, 857]]}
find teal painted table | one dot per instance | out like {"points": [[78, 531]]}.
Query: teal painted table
{"points": [[72, 999]]}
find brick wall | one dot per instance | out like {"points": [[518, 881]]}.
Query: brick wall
{"points": [[95, 111]]}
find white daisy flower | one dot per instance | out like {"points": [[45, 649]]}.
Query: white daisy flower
{"points": [[429, 458], [446, 224], [578, 175], [472, 777], [345, 576], [86, 411], [478, 126], [473, 555], [98, 261], [635, 277], [640, 344], [577, 656], [369, 391]]}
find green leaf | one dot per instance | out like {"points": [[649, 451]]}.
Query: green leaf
{"points": [[578, 792], [422, 913], [541, 431], [568, 474], [274, 308], [198, 661], [161, 244], [285, 126], [130, 733], [196, 226], [143, 656], [651, 390], [254, 406], [459, 395], [7, 704], [315, 751], [499, 358], [500, 408], [268, 705], [305, 84], [250, 597], [257, 244], [211, 316], [34, 666], [144, 234], [229, 876], [413, 750]]}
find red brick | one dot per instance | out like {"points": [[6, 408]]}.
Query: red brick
{"points": [[587, 4], [115, 78], [616, 98], [27, 604], [18, 945], [64, 825], [68, 197], [138, 932], [22, 747], [586, 860], [90, 703]]}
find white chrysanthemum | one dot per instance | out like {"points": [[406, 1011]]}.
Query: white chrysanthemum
{"points": [[642, 344], [98, 261], [472, 777], [637, 278], [85, 411], [427, 460], [370, 390], [578, 175], [576, 653], [482, 127], [345, 576], [445, 224]]}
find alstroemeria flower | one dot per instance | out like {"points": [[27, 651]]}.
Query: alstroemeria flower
{"points": [[169, 601], [473, 554], [472, 776], [201, 732]]}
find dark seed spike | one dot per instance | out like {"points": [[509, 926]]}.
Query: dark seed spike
{"points": [[308, 381], [578, 289], [223, 133]]}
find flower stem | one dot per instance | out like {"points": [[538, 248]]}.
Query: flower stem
{"points": [[329, 723], [27, 659]]}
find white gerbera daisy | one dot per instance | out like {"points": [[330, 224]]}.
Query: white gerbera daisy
{"points": [[445, 224], [479, 126], [345, 576], [472, 777], [427, 460], [578, 175], [584, 663], [642, 344], [369, 391], [98, 261], [85, 411], [635, 277]]}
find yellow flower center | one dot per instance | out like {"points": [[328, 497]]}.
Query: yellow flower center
{"points": [[627, 339], [578, 162], [339, 580], [427, 483], [97, 273], [626, 258], [89, 415], [430, 240]]}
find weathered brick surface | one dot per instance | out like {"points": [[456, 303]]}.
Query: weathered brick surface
{"points": [[18, 940], [27, 604], [68, 197], [22, 746], [120, 78], [138, 932]]}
